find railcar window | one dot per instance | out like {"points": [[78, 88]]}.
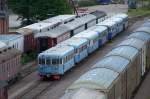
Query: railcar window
{"points": [[55, 61], [48, 61]]}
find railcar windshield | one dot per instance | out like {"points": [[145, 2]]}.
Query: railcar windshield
{"points": [[53, 61], [41, 61]]}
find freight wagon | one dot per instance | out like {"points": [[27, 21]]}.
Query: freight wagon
{"points": [[3, 90], [118, 74], [13, 40], [9, 63], [83, 44]]}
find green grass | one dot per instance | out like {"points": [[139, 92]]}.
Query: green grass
{"points": [[139, 11], [26, 58]]}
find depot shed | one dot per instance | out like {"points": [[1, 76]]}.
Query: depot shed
{"points": [[133, 75], [100, 79], [118, 64], [13, 40]]}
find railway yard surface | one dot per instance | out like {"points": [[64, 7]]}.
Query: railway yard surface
{"points": [[30, 87]]}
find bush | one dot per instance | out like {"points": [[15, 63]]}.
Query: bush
{"points": [[26, 58]]}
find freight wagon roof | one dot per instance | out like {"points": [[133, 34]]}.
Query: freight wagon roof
{"points": [[2, 45], [140, 35], [9, 37], [114, 63], [74, 42], [143, 29], [98, 28], [98, 79], [3, 84], [80, 21], [88, 34], [106, 23], [127, 52], [8, 54], [60, 18], [84, 93], [99, 14], [54, 33], [147, 24], [57, 51], [134, 42]]}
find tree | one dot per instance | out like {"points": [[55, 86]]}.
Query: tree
{"points": [[34, 10]]}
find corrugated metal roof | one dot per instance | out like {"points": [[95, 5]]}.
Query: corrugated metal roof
{"points": [[125, 52], [76, 42], [88, 34], [61, 29], [57, 51], [115, 63], [140, 35], [98, 28], [80, 21], [2, 45], [9, 37], [143, 29], [134, 42], [99, 79]]}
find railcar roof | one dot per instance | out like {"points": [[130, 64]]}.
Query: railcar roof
{"points": [[60, 18], [80, 21], [74, 41], [60, 30], [98, 13], [88, 34], [115, 63], [57, 51], [106, 23], [98, 79], [98, 28]]}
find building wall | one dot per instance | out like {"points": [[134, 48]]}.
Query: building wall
{"points": [[3, 17]]}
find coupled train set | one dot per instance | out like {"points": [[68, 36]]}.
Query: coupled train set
{"points": [[55, 61], [119, 73]]}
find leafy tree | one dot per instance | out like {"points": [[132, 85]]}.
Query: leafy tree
{"points": [[34, 10]]}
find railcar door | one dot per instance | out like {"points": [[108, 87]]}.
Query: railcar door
{"points": [[43, 44], [143, 60]]}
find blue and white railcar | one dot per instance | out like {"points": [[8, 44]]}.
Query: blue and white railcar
{"points": [[92, 37], [103, 34], [124, 17], [119, 22], [147, 24], [112, 28], [80, 45], [55, 61]]}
